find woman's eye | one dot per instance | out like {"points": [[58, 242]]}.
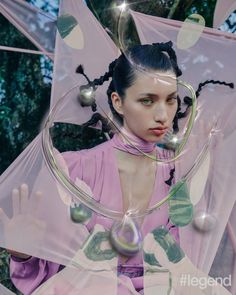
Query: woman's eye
{"points": [[146, 101], [172, 100]]}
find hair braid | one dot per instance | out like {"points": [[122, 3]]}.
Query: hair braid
{"points": [[201, 85], [188, 101], [98, 81], [106, 76], [176, 118], [85, 101]]}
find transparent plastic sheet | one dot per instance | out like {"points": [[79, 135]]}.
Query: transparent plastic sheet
{"points": [[224, 262], [219, 193], [222, 11], [31, 162], [88, 167], [49, 229], [232, 237], [25, 209], [5, 291], [94, 42], [38, 26]]}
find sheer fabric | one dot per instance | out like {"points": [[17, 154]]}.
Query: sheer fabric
{"points": [[40, 212], [222, 11], [198, 65], [38, 26]]}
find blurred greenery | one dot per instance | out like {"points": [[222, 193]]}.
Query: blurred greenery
{"points": [[24, 100], [24, 96], [69, 137], [107, 13], [25, 93], [4, 272]]}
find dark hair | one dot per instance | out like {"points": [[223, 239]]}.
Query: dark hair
{"points": [[156, 56], [159, 56]]}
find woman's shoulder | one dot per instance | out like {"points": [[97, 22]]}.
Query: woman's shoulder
{"points": [[87, 159], [101, 148]]}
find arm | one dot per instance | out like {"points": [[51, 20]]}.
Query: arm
{"points": [[28, 274]]}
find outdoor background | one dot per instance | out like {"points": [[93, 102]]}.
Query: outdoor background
{"points": [[25, 79]]}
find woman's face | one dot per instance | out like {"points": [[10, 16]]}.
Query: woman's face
{"points": [[149, 106]]}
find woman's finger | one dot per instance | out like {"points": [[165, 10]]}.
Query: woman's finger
{"points": [[15, 201], [24, 198]]}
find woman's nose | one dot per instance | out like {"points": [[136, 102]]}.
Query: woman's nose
{"points": [[161, 114]]}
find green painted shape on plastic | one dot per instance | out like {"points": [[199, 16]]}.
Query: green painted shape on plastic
{"points": [[93, 249], [151, 259], [180, 206], [65, 24], [168, 243]]}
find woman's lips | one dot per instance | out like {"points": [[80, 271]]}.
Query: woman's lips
{"points": [[159, 131]]}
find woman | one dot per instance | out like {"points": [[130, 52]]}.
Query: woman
{"points": [[145, 103]]}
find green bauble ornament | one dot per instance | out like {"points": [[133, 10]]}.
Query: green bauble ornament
{"points": [[80, 214]]}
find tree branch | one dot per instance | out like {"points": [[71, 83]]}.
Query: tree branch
{"points": [[173, 8]]}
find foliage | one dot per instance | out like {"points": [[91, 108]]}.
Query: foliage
{"points": [[109, 15], [46, 5], [24, 96], [24, 99], [4, 272], [69, 137]]}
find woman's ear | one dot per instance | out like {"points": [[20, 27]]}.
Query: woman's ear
{"points": [[117, 102]]}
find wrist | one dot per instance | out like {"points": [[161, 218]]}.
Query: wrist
{"points": [[22, 260], [18, 256]]}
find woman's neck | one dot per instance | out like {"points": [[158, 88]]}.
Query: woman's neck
{"points": [[129, 142]]}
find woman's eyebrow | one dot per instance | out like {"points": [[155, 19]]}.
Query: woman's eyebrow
{"points": [[173, 93], [156, 95], [149, 94]]}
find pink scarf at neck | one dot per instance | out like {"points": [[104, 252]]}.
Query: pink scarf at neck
{"points": [[132, 144]]}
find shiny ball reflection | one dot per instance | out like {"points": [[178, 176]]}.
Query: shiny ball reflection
{"points": [[204, 221], [171, 141], [86, 95]]}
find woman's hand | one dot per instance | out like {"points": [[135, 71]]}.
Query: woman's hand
{"points": [[23, 231]]}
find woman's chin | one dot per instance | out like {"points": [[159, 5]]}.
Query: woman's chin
{"points": [[155, 138]]}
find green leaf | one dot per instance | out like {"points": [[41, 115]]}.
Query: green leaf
{"points": [[65, 24], [168, 243], [180, 206]]}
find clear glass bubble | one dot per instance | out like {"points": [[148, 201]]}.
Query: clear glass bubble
{"points": [[73, 138]]}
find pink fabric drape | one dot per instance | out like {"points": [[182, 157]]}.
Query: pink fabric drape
{"points": [[199, 64], [222, 11], [31, 168], [91, 56], [39, 27], [215, 106], [5, 291], [231, 227]]}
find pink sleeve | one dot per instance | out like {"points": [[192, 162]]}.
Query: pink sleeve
{"points": [[29, 274]]}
